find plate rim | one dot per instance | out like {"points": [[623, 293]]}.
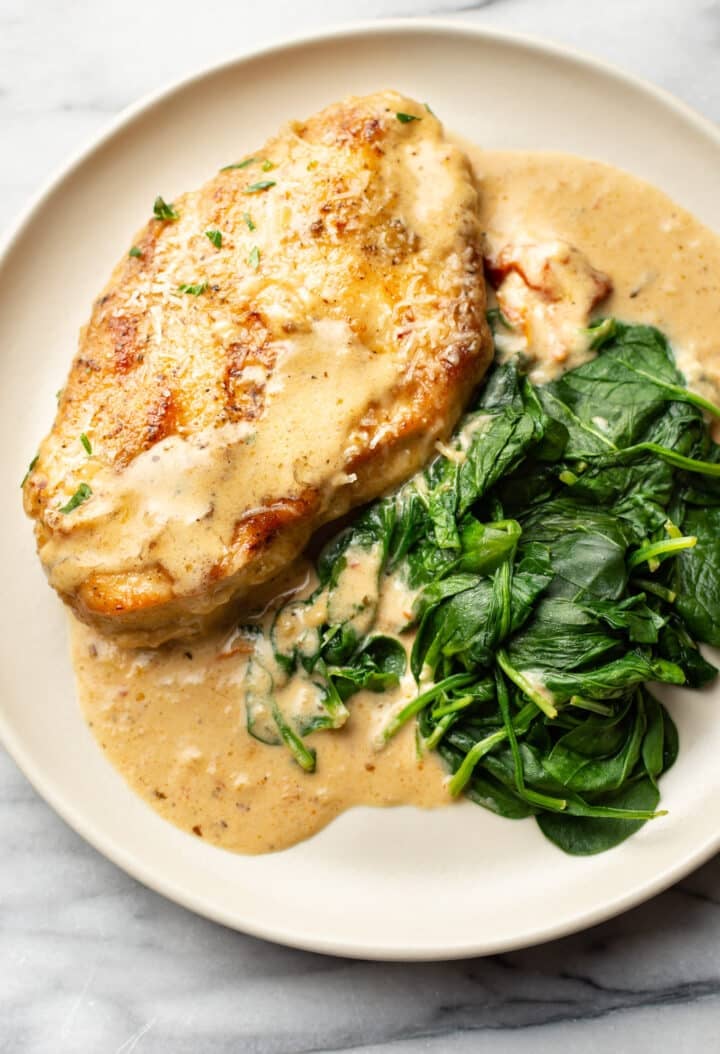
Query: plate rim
{"points": [[128, 861]]}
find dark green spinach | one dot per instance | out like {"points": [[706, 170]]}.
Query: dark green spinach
{"points": [[563, 555]]}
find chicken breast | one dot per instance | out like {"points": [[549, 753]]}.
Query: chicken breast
{"points": [[279, 346]]}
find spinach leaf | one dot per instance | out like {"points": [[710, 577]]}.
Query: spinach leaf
{"points": [[491, 441], [561, 633], [472, 620], [587, 547], [485, 790], [616, 397], [377, 665], [660, 745], [482, 548], [697, 576], [593, 771], [613, 679], [588, 835], [677, 645], [631, 615]]}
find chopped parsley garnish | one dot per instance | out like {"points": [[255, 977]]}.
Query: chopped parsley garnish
{"points": [[31, 466], [427, 107], [264, 184], [248, 219], [267, 165], [254, 258], [239, 164], [87, 445], [406, 118], [215, 237], [163, 211], [135, 251], [80, 496], [192, 290]]}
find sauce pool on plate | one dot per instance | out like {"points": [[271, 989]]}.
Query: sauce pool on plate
{"points": [[172, 720]]}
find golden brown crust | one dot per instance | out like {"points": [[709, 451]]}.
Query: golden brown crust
{"points": [[370, 224]]}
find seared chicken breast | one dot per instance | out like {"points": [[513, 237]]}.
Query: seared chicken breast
{"points": [[281, 345]]}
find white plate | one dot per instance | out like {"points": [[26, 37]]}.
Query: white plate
{"points": [[397, 883]]}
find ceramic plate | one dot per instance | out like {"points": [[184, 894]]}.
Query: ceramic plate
{"points": [[396, 883]]}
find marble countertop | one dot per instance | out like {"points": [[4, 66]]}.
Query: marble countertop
{"points": [[90, 961]]}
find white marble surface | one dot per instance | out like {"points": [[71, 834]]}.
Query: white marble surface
{"points": [[89, 960]]}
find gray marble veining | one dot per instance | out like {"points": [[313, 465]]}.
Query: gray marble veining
{"points": [[90, 961]]}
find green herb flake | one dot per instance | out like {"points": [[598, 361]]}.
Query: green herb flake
{"points": [[30, 468], [254, 258], [428, 108], [80, 496], [267, 165], [135, 251], [87, 445], [239, 164], [215, 236], [406, 118], [164, 211], [249, 221], [263, 184], [192, 290]]}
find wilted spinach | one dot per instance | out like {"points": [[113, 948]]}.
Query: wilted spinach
{"points": [[563, 553]]}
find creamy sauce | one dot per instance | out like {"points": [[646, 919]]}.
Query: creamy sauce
{"points": [[187, 494], [664, 265], [172, 720]]}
